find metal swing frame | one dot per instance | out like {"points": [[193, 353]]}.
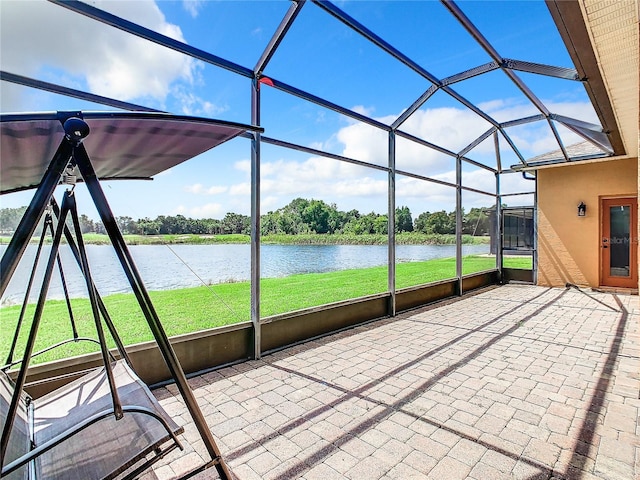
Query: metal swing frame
{"points": [[72, 152], [47, 229]]}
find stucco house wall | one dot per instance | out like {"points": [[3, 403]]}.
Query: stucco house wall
{"points": [[568, 245]]}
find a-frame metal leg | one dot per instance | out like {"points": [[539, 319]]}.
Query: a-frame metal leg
{"points": [[12, 256], [126, 260], [71, 241], [31, 340], [69, 206], [25, 302]]}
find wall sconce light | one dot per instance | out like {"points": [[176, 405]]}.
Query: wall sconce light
{"points": [[582, 209]]}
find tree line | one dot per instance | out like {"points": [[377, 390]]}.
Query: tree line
{"points": [[301, 216]]}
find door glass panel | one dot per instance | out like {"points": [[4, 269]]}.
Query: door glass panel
{"points": [[619, 244]]}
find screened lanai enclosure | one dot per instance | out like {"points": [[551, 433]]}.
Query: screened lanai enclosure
{"points": [[353, 116]]}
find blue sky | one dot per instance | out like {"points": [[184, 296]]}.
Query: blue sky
{"points": [[319, 55]]}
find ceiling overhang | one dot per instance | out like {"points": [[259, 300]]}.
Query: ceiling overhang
{"points": [[602, 41]]}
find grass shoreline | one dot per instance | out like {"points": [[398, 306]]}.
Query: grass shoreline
{"points": [[198, 308], [405, 238]]}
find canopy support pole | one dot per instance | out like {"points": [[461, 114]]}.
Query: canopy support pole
{"points": [[126, 260]]}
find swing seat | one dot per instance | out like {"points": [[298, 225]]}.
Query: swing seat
{"points": [[72, 432]]}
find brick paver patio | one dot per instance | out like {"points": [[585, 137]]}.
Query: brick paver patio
{"points": [[515, 382]]}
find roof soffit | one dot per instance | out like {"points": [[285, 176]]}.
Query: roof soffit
{"points": [[602, 39]]}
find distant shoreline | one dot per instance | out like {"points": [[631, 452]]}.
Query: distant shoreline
{"points": [[301, 239]]}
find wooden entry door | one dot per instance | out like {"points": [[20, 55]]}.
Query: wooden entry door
{"points": [[619, 243]]}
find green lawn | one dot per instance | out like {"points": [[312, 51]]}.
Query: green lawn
{"points": [[192, 309]]}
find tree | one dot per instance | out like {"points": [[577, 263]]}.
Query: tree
{"points": [[10, 218], [148, 226], [367, 224], [179, 224], [420, 223], [337, 219], [404, 221], [289, 223], [381, 225], [236, 223], [437, 222], [296, 206], [99, 228], [452, 220], [316, 216], [86, 224], [269, 223], [127, 225], [476, 222], [297, 217], [214, 227], [197, 226]]}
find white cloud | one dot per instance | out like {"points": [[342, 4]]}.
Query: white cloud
{"points": [[424, 196], [536, 138], [506, 109], [450, 128], [349, 184], [362, 110], [269, 202], [361, 187], [240, 189], [244, 166], [365, 143], [454, 129], [492, 105], [427, 196], [196, 188], [193, 6], [191, 104], [216, 189], [16, 98], [209, 210], [41, 39], [199, 189], [579, 110], [319, 178]]}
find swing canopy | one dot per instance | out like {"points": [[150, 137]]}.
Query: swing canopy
{"points": [[123, 145]]}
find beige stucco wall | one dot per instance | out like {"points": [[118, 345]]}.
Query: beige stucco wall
{"points": [[568, 245]]}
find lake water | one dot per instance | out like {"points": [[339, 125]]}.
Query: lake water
{"points": [[165, 267]]}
